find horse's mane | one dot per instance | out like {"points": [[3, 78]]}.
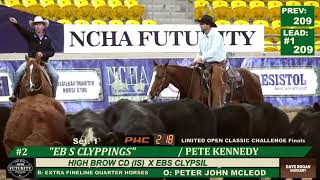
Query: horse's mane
{"points": [[181, 67]]}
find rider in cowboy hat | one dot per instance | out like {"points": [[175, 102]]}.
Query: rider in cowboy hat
{"points": [[212, 52], [211, 42], [39, 44]]}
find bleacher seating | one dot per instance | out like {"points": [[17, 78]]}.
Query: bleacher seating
{"points": [[64, 21], [33, 7], [81, 21], [83, 11], [240, 10], [149, 22], [257, 12], [15, 4], [221, 10], [269, 46], [51, 9], [241, 22], [116, 22], [98, 22], [131, 12], [274, 8], [132, 22], [222, 22], [317, 45]]}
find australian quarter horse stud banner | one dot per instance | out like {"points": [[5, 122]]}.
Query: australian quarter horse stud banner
{"points": [[158, 38]]}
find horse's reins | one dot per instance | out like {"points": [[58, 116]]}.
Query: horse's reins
{"points": [[163, 78], [161, 84], [191, 82]]}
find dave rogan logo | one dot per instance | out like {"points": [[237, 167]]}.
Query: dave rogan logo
{"points": [[19, 168], [298, 168]]}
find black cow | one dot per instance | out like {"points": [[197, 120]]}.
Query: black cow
{"points": [[233, 121], [88, 128], [270, 121], [259, 121], [4, 116], [185, 118], [89, 125], [306, 125], [314, 108], [129, 118]]}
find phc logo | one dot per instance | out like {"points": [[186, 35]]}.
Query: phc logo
{"points": [[127, 80], [20, 168]]}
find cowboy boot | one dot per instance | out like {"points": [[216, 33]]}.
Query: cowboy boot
{"points": [[13, 97]]}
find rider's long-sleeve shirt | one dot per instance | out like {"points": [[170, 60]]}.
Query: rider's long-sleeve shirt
{"points": [[211, 47]]}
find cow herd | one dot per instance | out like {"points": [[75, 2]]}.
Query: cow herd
{"points": [[42, 121]]}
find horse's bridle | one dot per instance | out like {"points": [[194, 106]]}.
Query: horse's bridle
{"points": [[34, 90], [161, 84]]}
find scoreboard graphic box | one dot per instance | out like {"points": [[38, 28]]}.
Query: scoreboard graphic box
{"points": [[297, 30], [155, 161]]}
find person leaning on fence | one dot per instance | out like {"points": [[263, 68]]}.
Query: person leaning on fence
{"points": [[39, 44]]}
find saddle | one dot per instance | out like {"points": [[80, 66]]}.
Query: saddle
{"points": [[234, 79], [205, 73], [231, 77]]}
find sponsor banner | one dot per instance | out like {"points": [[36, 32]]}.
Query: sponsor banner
{"points": [[107, 81], [5, 86], [128, 81], [288, 81], [158, 38], [81, 84]]}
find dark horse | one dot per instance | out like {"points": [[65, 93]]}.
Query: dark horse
{"points": [[35, 80], [189, 83]]}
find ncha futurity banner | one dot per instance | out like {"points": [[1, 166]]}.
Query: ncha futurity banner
{"points": [[158, 38], [131, 38], [97, 83]]}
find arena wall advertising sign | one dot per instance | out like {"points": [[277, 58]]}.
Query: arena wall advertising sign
{"points": [[81, 84], [157, 38], [107, 81], [5, 85], [288, 81]]}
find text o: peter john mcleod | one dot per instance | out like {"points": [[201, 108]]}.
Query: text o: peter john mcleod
{"points": [[221, 172]]}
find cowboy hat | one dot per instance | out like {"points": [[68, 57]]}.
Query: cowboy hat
{"points": [[39, 19], [206, 19]]}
